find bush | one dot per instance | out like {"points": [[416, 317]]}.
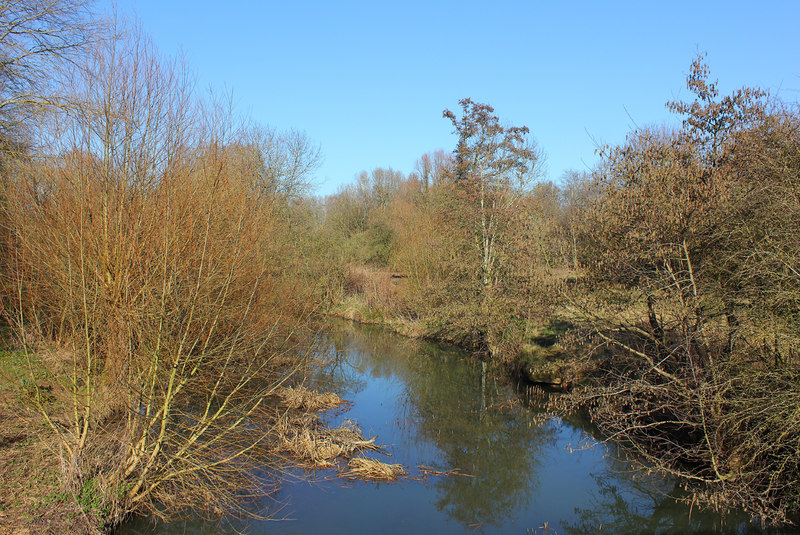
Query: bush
{"points": [[149, 266]]}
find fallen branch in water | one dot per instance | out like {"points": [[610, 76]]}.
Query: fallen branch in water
{"points": [[428, 471]]}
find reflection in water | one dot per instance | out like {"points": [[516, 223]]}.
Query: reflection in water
{"points": [[627, 502], [458, 406], [439, 408]]}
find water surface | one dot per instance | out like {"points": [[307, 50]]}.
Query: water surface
{"points": [[439, 408]]}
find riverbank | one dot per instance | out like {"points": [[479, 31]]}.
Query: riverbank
{"points": [[540, 359], [479, 459], [438, 375], [32, 498], [34, 494]]}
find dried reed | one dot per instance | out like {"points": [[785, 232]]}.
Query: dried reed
{"points": [[304, 438], [301, 398], [370, 469]]}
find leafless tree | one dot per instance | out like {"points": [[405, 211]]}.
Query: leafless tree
{"points": [[37, 39], [285, 162], [432, 168]]}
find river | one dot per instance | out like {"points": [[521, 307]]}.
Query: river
{"points": [[518, 472]]}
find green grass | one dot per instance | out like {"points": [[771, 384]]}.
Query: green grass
{"points": [[546, 335], [14, 371], [541, 356], [23, 376], [12, 363]]}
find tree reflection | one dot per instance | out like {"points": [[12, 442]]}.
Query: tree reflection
{"points": [[625, 504], [337, 371], [465, 412], [463, 409]]}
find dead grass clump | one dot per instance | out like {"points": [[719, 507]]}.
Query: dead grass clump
{"points": [[303, 399], [305, 439], [370, 469]]}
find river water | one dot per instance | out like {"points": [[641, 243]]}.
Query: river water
{"points": [[436, 407]]}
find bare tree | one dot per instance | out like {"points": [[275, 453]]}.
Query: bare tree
{"points": [[575, 198], [432, 168], [282, 164], [37, 37]]}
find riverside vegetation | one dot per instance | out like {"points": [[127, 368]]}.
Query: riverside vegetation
{"points": [[662, 287], [165, 272]]}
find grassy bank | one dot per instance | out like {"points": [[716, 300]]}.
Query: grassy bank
{"points": [[33, 499], [531, 348]]}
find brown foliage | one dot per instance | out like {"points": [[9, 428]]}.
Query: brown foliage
{"points": [[699, 226], [143, 260]]}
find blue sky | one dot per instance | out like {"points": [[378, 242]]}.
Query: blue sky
{"points": [[368, 81]]}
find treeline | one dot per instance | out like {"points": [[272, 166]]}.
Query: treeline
{"points": [[670, 271], [468, 248]]}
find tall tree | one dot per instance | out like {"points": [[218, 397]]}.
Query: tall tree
{"points": [[494, 167], [710, 121]]}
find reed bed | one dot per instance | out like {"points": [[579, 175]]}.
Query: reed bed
{"points": [[308, 441]]}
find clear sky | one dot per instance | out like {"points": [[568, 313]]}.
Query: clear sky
{"points": [[368, 81]]}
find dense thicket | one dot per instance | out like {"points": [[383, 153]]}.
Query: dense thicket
{"points": [[697, 229], [152, 269]]}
